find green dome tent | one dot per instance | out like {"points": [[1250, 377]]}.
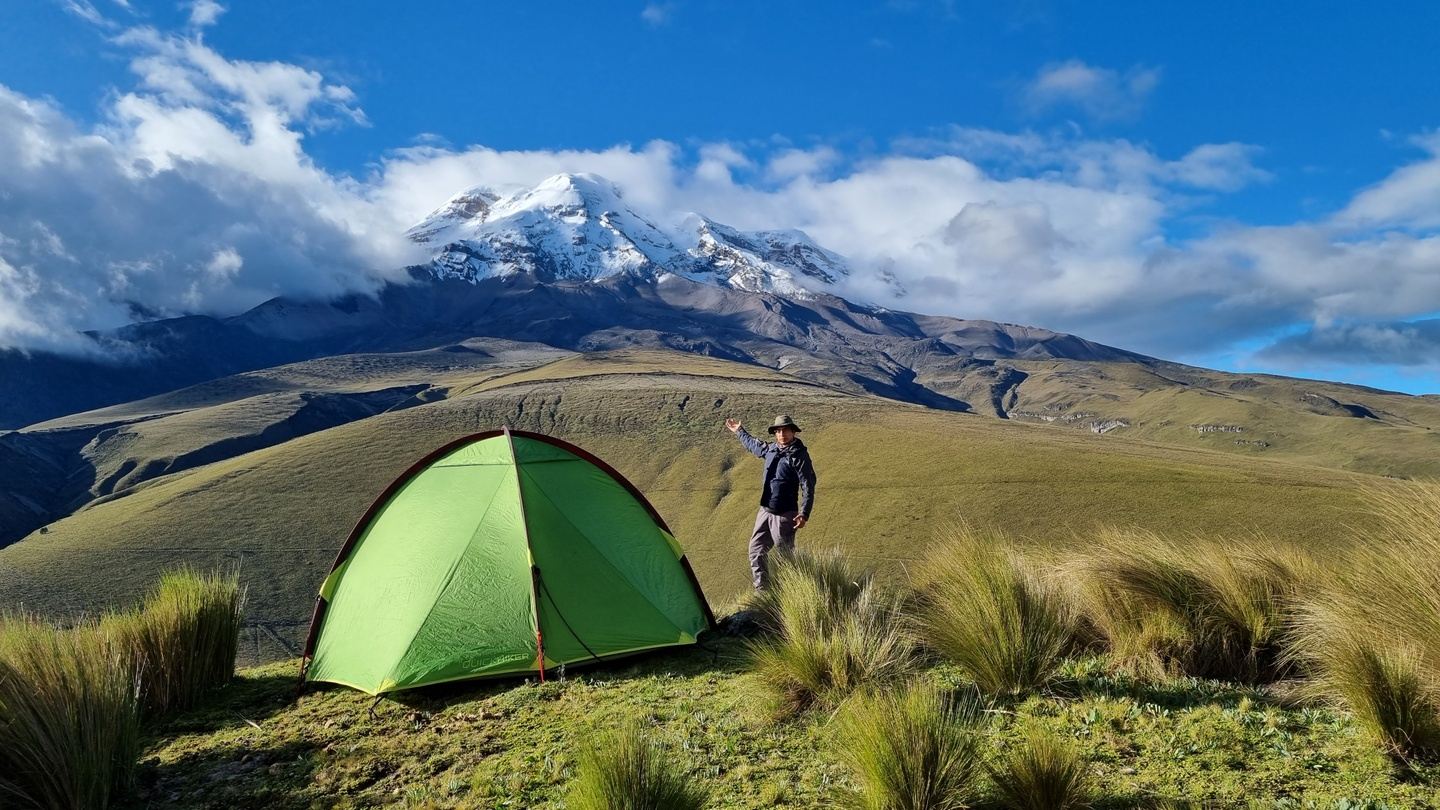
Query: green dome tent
{"points": [[505, 552]]}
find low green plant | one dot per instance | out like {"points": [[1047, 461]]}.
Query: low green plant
{"points": [[69, 715], [982, 609], [916, 750], [828, 642], [1043, 772], [183, 638], [622, 769], [1195, 605]]}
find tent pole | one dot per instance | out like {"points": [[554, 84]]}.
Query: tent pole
{"points": [[530, 551]]}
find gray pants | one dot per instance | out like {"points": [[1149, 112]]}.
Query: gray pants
{"points": [[772, 530]]}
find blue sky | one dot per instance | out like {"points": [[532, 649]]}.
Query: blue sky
{"points": [[1245, 186]]}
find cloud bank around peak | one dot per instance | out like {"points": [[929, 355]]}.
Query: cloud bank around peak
{"points": [[196, 194]]}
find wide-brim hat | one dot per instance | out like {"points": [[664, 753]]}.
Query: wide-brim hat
{"points": [[784, 420]]}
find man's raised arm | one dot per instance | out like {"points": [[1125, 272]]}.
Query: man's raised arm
{"points": [[751, 443]]}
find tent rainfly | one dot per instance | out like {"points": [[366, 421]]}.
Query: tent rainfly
{"points": [[502, 553]]}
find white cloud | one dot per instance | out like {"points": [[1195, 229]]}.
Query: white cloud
{"points": [[86, 10], [1409, 197], [792, 163], [196, 194], [657, 13], [1217, 167], [1101, 93], [205, 13]]}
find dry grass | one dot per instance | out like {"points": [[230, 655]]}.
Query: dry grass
{"points": [[1370, 636], [183, 639], [984, 609], [1045, 772], [1200, 606], [911, 751], [69, 715], [832, 635], [836, 581], [622, 769]]}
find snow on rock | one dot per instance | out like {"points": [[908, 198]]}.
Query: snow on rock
{"points": [[788, 263], [449, 222], [570, 227], [578, 227]]}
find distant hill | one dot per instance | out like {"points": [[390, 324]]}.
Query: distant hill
{"points": [[892, 474]]}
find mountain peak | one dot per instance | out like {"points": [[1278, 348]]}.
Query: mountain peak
{"points": [[471, 205], [787, 262], [571, 194], [577, 226]]}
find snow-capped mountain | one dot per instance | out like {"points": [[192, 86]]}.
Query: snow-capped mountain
{"points": [[447, 223], [763, 261], [577, 227], [570, 264]]}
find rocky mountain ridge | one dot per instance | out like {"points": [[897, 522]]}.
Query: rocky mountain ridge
{"points": [[578, 227]]}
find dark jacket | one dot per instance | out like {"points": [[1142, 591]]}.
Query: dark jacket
{"points": [[789, 483]]}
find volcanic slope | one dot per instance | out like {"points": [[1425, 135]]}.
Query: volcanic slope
{"points": [[53, 468], [892, 476]]}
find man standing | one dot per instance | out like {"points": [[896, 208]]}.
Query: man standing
{"points": [[786, 495]]}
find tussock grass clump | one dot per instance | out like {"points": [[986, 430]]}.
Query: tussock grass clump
{"points": [[1194, 605], [916, 750], [183, 638], [983, 609], [622, 769], [838, 582], [69, 715], [1045, 772], [1370, 637], [1382, 681], [829, 641]]}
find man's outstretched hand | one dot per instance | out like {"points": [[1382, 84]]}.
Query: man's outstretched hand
{"points": [[800, 521], [732, 425]]}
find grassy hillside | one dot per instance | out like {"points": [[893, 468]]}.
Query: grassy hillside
{"points": [[891, 476], [1255, 416], [50, 469]]}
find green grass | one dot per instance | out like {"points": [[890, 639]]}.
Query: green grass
{"points": [[182, 638], [1042, 771], [985, 610], [915, 750], [516, 744], [834, 632], [69, 716], [622, 769]]}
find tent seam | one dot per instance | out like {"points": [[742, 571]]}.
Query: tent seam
{"points": [[530, 553], [449, 577], [609, 562]]}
